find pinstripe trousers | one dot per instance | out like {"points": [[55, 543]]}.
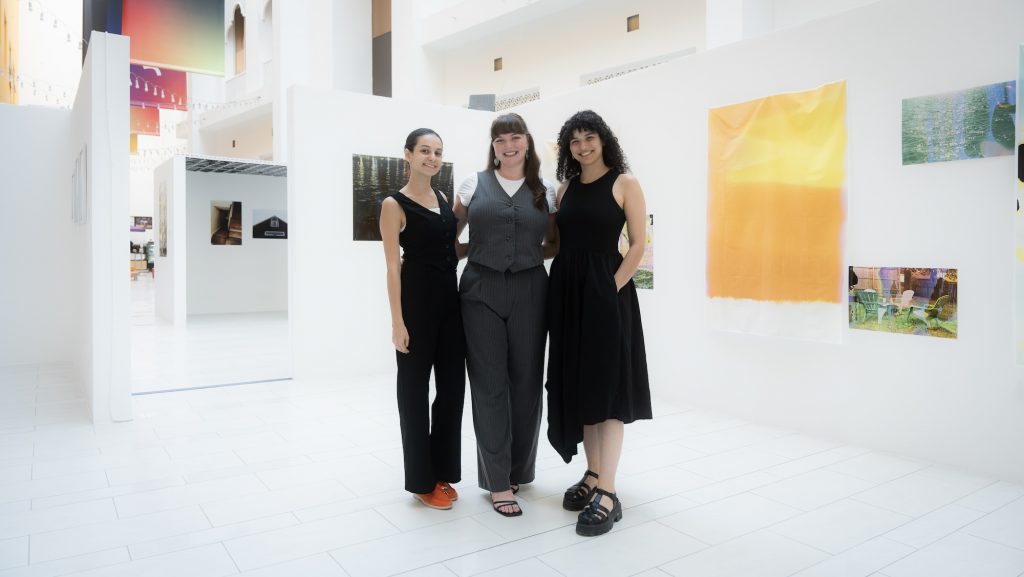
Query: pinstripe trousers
{"points": [[503, 314]]}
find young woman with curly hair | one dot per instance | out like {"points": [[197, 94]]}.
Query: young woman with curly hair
{"points": [[597, 365]]}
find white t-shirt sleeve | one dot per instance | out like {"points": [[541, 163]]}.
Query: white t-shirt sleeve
{"points": [[466, 190], [551, 193]]}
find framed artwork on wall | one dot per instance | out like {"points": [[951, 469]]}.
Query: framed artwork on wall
{"points": [[1019, 218], [80, 188], [270, 224], [914, 301], [375, 178], [973, 123], [643, 278], [162, 216], [225, 222]]}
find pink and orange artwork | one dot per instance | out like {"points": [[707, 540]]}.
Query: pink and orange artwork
{"points": [[144, 121], [776, 211]]}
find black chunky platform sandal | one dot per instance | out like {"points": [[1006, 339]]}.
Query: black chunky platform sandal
{"points": [[596, 519], [577, 496]]}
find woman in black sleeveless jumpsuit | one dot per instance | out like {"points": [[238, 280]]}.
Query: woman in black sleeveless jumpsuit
{"points": [[427, 327]]}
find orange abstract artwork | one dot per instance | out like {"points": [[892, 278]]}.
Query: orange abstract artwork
{"points": [[776, 208]]}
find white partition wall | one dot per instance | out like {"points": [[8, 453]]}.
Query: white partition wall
{"points": [[66, 295], [169, 205], [99, 125], [251, 277], [41, 259], [954, 401], [338, 308]]}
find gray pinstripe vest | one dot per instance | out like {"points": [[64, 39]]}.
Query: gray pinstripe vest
{"points": [[505, 233]]}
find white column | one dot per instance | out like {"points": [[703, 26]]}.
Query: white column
{"points": [[352, 47], [415, 73], [730, 21]]}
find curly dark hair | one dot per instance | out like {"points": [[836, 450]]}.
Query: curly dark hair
{"points": [[588, 120], [512, 123]]}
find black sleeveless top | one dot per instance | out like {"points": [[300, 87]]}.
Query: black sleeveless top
{"points": [[428, 238]]}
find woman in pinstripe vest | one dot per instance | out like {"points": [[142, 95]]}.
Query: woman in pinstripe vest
{"points": [[503, 291]]}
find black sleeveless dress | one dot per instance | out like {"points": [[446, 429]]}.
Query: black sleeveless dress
{"points": [[597, 364]]}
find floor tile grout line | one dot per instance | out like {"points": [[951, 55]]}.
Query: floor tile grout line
{"points": [[224, 546], [681, 532], [891, 563], [994, 483], [816, 548], [913, 517], [993, 541], [542, 562], [214, 528]]}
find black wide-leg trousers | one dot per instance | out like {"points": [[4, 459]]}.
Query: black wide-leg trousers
{"points": [[431, 433]]}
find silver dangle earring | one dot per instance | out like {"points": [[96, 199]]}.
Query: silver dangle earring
{"points": [[497, 163], [527, 156]]}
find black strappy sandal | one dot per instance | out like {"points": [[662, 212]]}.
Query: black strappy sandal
{"points": [[499, 504], [577, 496], [596, 519]]}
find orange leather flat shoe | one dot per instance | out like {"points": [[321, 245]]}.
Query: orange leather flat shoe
{"points": [[435, 499], [448, 490]]}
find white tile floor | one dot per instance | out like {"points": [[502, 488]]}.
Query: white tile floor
{"points": [[207, 350], [304, 478]]}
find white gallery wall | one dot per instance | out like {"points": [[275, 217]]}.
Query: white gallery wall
{"points": [[169, 292], [787, 13], [250, 277], [954, 401], [41, 259], [338, 308], [99, 124]]}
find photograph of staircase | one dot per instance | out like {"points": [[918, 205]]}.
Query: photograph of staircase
{"points": [[225, 222]]}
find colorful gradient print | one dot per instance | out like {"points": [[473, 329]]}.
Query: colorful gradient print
{"points": [[154, 87], [776, 210], [185, 35]]}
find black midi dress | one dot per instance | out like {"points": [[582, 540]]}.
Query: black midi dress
{"points": [[597, 364]]}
